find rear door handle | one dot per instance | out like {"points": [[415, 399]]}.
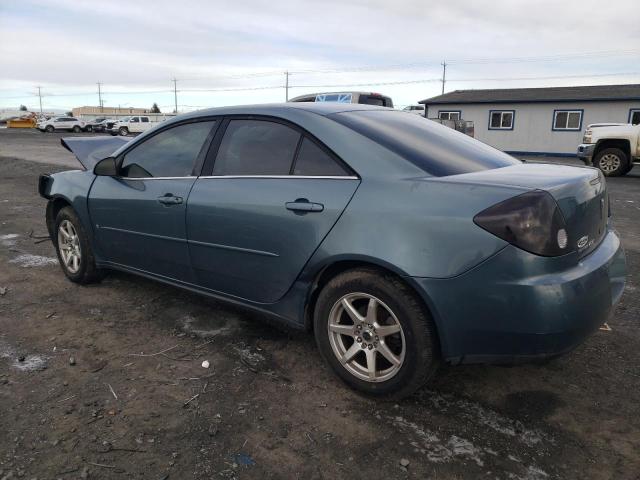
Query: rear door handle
{"points": [[304, 205], [169, 199]]}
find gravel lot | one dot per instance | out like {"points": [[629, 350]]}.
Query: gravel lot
{"points": [[111, 383]]}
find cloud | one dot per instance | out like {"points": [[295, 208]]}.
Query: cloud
{"points": [[69, 45]]}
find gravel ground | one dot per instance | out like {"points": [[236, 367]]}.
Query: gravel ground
{"points": [[111, 384]]}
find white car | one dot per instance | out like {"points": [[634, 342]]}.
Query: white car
{"points": [[416, 109], [70, 124], [137, 124]]}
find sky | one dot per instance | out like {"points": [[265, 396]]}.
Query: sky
{"points": [[236, 52]]}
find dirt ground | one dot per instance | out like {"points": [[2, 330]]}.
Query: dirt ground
{"points": [[106, 381]]}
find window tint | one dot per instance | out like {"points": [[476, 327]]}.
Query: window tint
{"points": [[313, 161], [634, 117], [145, 119], [434, 148], [449, 115], [256, 147], [567, 120], [171, 153], [501, 120], [134, 120]]}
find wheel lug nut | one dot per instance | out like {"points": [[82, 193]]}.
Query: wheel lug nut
{"points": [[377, 338], [370, 346], [359, 339]]}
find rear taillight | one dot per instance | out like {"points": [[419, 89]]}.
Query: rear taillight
{"points": [[531, 221]]}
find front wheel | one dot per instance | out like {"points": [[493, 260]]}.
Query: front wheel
{"points": [[613, 162], [123, 131], [73, 248], [76, 129], [49, 129], [89, 128], [375, 333]]}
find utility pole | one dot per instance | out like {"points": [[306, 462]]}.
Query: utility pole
{"points": [[175, 94], [40, 98], [286, 85], [100, 97], [444, 74]]}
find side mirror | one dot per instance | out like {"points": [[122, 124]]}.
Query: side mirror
{"points": [[106, 168]]}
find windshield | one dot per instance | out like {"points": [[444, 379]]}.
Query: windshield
{"points": [[436, 149]]}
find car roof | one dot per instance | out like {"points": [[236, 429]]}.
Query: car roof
{"points": [[275, 109]]}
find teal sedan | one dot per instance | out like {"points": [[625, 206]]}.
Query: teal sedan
{"points": [[400, 243]]}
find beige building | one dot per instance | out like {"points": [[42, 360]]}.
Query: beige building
{"points": [[108, 111]]}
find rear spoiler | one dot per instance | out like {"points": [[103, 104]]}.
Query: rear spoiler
{"points": [[90, 150]]}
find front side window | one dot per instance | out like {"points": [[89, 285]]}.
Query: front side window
{"points": [[170, 153], [567, 120], [501, 119], [445, 115], [135, 120], [256, 147], [634, 116], [314, 161]]}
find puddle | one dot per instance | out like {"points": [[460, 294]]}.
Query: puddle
{"points": [[27, 260], [9, 239]]}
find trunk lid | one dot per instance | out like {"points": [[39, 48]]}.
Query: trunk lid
{"points": [[580, 192]]}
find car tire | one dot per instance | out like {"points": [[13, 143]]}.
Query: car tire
{"points": [[89, 128], [49, 129], [613, 162], [76, 129], [409, 334], [71, 241], [123, 131]]}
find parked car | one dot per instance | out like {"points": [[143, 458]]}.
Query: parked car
{"points": [[401, 243], [135, 124], [415, 109], [613, 148], [365, 98], [70, 124], [95, 125]]}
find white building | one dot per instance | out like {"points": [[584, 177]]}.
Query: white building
{"points": [[543, 121]]}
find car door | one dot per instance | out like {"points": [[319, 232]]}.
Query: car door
{"points": [[134, 125], [272, 195], [144, 124], [139, 216]]}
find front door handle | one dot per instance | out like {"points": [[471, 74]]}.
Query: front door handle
{"points": [[170, 199], [304, 205]]}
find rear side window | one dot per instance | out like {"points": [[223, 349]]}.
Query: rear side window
{"points": [[256, 147], [171, 153], [145, 119], [434, 148], [314, 161]]}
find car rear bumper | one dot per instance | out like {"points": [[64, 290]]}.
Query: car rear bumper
{"points": [[585, 152], [517, 306]]}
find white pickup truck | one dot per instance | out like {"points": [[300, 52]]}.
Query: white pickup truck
{"points": [[612, 147], [135, 124]]}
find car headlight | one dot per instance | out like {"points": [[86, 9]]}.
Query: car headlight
{"points": [[587, 136]]}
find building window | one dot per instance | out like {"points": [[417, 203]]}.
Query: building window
{"points": [[634, 116], [501, 119], [449, 114], [567, 120]]}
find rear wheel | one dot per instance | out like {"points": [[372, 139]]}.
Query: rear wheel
{"points": [[375, 333], [613, 162], [49, 128], [89, 128], [73, 248], [76, 129], [123, 131]]}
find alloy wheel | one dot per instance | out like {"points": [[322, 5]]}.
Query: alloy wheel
{"points": [[609, 162], [69, 246], [366, 337]]}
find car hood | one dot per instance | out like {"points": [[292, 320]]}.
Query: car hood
{"points": [[90, 151]]}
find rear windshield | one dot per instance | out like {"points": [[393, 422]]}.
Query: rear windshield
{"points": [[436, 149], [378, 100]]}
